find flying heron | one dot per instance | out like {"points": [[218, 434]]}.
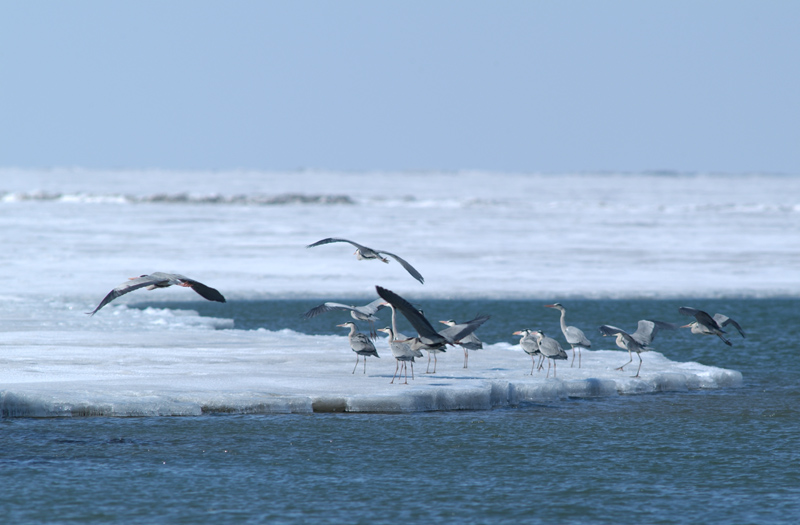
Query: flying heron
{"points": [[551, 349], [160, 280], [529, 345], [574, 336], [707, 325], [359, 313], [469, 342], [427, 337], [360, 344], [362, 252]]}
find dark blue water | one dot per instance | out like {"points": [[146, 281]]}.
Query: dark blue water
{"points": [[729, 456]]}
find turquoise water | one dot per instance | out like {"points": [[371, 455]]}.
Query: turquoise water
{"points": [[730, 456]]}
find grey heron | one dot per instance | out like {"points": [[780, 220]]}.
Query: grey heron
{"points": [[360, 344], [639, 341], [469, 342], [427, 337], [362, 252], [529, 345], [160, 280], [706, 325], [574, 336], [551, 349], [359, 313], [402, 353]]}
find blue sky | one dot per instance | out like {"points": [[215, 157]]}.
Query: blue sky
{"points": [[539, 86]]}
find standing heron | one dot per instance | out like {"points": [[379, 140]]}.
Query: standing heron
{"points": [[707, 325], [402, 353], [362, 252], [529, 345], [360, 344], [359, 313], [427, 337], [574, 336], [639, 341], [551, 349], [160, 280], [470, 342]]}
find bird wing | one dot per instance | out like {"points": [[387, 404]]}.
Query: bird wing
{"points": [[607, 329], [327, 307], [206, 292], [576, 336], [129, 286], [646, 330], [373, 307], [724, 320], [335, 239], [457, 332], [410, 269], [701, 316], [418, 321]]}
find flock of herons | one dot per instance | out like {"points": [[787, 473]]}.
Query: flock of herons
{"points": [[406, 349]]}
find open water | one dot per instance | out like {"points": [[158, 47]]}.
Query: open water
{"points": [[723, 456]]}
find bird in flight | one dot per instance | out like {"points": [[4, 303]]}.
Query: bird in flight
{"points": [[362, 252], [160, 280]]}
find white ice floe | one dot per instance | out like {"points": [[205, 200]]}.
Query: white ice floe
{"points": [[69, 236], [193, 372]]}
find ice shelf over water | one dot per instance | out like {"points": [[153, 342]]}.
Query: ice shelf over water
{"points": [[229, 371], [68, 236]]}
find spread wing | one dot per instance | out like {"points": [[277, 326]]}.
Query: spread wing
{"points": [[410, 269], [646, 330], [418, 321], [335, 239], [701, 317], [129, 286], [459, 331], [327, 307], [206, 292], [724, 320]]}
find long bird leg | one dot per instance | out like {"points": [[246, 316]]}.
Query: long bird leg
{"points": [[412, 371], [396, 366], [354, 368], [405, 367], [640, 365], [548, 369], [427, 369], [555, 367], [629, 362], [541, 362], [466, 358], [533, 362], [572, 363], [365, 364]]}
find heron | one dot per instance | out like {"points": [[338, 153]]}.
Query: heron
{"points": [[359, 313], [362, 252], [707, 325], [160, 280], [529, 345], [360, 344], [470, 342], [639, 341], [551, 349], [574, 336], [402, 353], [427, 337]]}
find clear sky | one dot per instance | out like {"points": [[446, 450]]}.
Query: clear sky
{"points": [[540, 86]]}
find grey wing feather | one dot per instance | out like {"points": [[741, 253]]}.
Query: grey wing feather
{"points": [[607, 330], [410, 269], [457, 332], [334, 239], [129, 286], [575, 336], [206, 292], [326, 307], [417, 320], [701, 316], [373, 307], [646, 330], [724, 320]]}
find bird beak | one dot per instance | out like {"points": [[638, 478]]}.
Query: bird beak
{"points": [[518, 332], [549, 306], [687, 325], [340, 325]]}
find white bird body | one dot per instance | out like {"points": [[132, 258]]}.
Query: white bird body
{"points": [[704, 324]]}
